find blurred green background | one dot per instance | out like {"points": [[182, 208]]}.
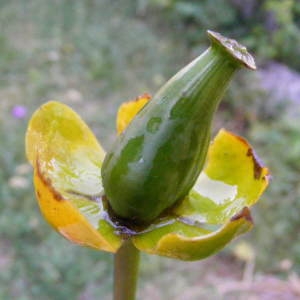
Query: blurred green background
{"points": [[95, 54]]}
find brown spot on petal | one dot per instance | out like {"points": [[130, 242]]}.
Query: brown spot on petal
{"points": [[241, 139], [143, 96], [244, 213], [257, 164], [47, 182]]}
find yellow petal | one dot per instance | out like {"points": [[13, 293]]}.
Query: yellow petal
{"points": [[233, 178], [128, 110], [67, 160], [65, 218], [191, 244], [55, 124]]}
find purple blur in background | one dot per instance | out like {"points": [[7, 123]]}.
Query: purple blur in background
{"points": [[19, 111]]}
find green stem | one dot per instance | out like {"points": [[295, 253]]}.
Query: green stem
{"points": [[126, 267]]}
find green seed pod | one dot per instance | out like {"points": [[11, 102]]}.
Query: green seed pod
{"points": [[158, 158]]}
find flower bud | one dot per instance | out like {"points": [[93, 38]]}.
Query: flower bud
{"points": [[158, 158]]}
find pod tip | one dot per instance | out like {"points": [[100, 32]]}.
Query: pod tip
{"points": [[235, 49]]}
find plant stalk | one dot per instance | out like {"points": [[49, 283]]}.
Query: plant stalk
{"points": [[126, 266]]}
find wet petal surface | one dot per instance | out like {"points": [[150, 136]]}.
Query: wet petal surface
{"points": [[185, 242], [67, 159], [216, 209], [233, 178]]}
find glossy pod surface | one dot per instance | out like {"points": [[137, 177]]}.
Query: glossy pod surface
{"points": [[158, 158]]}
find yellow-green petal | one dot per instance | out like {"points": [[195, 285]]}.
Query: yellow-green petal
{"points": [[67, 159], [190, 242], [233, 178]]}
